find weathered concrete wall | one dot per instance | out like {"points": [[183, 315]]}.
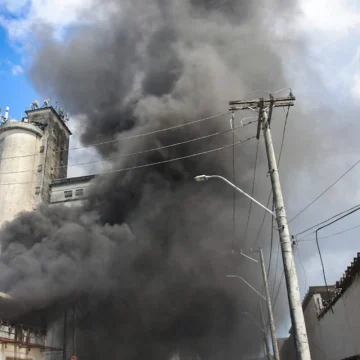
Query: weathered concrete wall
{"points": [[19, 176], [71, 191], [335, 335], [56, 145]]}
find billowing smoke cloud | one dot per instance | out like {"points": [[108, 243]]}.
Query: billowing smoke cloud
{"points": [[144, 256]]}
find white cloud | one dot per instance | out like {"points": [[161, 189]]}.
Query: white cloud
{"points": [[355, 90], [17, 70], [338, 16], [57, 14]]}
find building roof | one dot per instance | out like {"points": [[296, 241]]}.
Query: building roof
{"points": [[54, 112], [322, 290], [349, 275], [345, 282], [74, 180]]}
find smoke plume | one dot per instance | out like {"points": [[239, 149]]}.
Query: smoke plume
{"points": [[145, 257]]}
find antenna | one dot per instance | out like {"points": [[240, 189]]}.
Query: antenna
{"points": [[35, 105], [6, 116], [47, 102]]}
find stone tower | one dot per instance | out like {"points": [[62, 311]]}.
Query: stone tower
{"points": [[33, 153]]}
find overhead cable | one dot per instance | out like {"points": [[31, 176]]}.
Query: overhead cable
{"points": [[252, 192], [278, 289], [325, 221], [325, 191], [140, 152], [318, 246], [171, 160], [126, 138]]}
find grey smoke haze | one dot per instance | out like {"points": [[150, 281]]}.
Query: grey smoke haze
{"points": [[145, 254]]}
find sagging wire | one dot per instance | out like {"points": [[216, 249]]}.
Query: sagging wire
{"points": [[321, 258]]}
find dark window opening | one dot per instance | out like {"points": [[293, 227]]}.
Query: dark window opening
{"points": [[39, 168], [68, 194], [42, 149], [37, 190], [79, 192]]}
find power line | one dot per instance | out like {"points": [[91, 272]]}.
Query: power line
{"points": [[325, 191], [157, 148], [139, 152], [172, 160], [340, 232], [271, 241], [252, 192], [233, 178], [126, 138], [331, 235], [283, 135], [325, 221], [302, 265], [318, 246], [156, 163], [276, 269], [278, 289]]}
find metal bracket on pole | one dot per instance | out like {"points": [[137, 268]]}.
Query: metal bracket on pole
{"points": [[271, 106], [261, 107]]}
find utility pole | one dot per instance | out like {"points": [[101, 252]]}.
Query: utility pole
{"points": [[267, 347], [64, 354], [265, 109], [269, 306]]}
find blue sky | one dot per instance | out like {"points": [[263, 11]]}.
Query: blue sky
{"points": [[16, 90]]}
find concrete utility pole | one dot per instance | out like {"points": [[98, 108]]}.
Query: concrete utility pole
{"points": [[267, 347], [265, 109], [266, 298], [269, 306]]}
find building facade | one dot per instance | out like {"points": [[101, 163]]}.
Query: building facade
{"points": [[33, 170], [332, 317], [33, 164]]}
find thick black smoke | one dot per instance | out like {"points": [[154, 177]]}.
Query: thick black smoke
{"points": [[144, 256]]}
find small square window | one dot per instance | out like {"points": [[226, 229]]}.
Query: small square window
{"points": [[37, 190], [42, 149], [79, 192], [40, 168], [68, 194]]}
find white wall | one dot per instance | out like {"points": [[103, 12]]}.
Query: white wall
{"points": [[19, 174], [334, 336], [337, 335], [58, 193]]}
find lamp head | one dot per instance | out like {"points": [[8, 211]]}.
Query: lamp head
{"points": [[200, 178]]}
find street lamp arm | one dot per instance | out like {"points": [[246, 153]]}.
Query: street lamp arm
{"points": [[239, 277], [207, 177], [255, 321]]}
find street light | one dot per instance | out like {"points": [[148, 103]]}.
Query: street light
{"points": [[267, 299], [239, 277], [202, 178], [262, 329]]}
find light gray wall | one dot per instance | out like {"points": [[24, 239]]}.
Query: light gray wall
{"points": [[335, 336]]}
